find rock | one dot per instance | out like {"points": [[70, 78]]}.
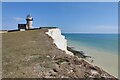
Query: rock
{"points": [[53, 73], [48, 56], [94, 72], [64, 76]]}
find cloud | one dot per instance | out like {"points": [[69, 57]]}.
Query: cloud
{"points": [[18, 19]]}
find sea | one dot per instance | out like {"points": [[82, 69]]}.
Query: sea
{"points": [[103, 47]]}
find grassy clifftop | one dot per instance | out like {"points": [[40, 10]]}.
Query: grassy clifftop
{"points": [[32, 54]]}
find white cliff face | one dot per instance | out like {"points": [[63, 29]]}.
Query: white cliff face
{"points": [[58, 39]]}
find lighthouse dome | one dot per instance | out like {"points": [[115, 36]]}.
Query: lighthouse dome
{"points": [[29, 16]]}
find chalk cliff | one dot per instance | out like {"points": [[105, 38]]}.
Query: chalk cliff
{"points": [[59, 39]]}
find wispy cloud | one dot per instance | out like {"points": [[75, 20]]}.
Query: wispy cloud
{"points": [[18, 19]]}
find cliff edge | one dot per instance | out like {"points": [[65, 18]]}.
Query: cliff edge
{"points": [[58, 39], [42, 54]]}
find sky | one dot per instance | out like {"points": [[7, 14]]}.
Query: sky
{"points": [[70, 17]]}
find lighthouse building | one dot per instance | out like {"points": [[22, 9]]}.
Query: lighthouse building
{"points": [[29, 20], [28, 25]]}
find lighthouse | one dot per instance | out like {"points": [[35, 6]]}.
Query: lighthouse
{"points": [[29, 20]]}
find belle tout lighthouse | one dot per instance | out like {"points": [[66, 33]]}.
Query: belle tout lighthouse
{"points": [[29, 20], [28, 25]]}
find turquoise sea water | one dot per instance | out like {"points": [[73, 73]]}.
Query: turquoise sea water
{"points": [[103, 47], [104, 42]]}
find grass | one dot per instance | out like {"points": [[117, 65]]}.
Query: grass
{"points": [[18, 47]]}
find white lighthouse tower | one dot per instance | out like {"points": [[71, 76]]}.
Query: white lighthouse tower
{"points": [[29, 20]]}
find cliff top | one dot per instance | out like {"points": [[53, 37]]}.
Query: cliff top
{"points": [[32, 54]]}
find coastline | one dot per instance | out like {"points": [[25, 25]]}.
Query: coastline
{"points": [[100, 58], [54, 33], [106, 61], [41, 58]]}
